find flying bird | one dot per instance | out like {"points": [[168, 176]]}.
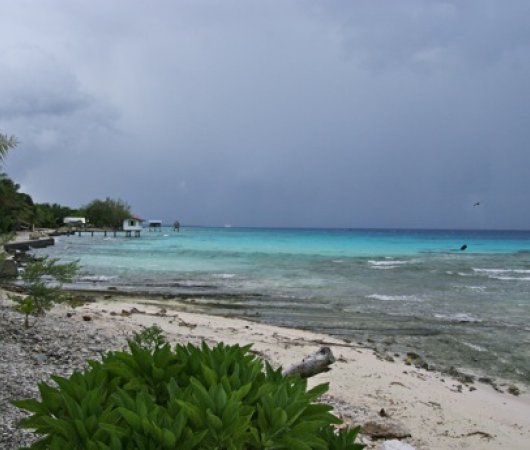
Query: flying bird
{"points": [[477, 204]]}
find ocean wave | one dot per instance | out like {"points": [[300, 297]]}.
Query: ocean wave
{"points": [[499, 271], [393, 262], [471, 288], [224, 276], [493, 277], [387, 264], [393, 298], [459, 317], [475, 288], [476, 347], [96, 278]]}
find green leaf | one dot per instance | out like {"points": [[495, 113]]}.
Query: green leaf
{"points": [[179, 424], [209, 375], [295, 444], [131, 418], [201, 394], [31, 405], [220, 398], [114, 429], [318, 391], [192, 412], [213, 421], [169, 439]]}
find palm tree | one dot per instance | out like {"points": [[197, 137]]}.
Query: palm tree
{"points": [[8, 189], [6, 143]]}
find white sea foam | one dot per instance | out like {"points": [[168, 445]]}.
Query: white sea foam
{"points": [[471, 288], [500, 271], [459, 317], [97, 278], [476, 347], [393, 298], [476, 288], [224, 276], [510, 278], [394, 262], [387, 264], [504, 274]]}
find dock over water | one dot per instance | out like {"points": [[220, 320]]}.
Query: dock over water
{"points": [[105, 232]]}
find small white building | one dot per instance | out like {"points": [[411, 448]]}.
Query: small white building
{"points": [[74, 221], [132, 223], [155, 225]]}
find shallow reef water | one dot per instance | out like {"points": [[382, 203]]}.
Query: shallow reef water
{"points": [[402, 289]]}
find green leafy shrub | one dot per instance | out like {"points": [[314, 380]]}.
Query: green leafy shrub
{"points": [[153, 397]]}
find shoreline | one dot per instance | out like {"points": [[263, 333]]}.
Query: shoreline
{"points": [[188, 302], [437, 411], [455, 317]]}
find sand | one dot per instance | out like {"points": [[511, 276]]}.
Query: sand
{"points": [[439, 412]]}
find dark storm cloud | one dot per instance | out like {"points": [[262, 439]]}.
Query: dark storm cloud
{"points": [[330, 113], [32, 83]]}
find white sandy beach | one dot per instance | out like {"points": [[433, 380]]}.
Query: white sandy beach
{"points": [[438, 411], [428, 404]]}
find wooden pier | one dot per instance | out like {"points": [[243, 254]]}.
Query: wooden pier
{"points": [[105, 232]]}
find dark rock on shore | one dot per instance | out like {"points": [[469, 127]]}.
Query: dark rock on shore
{"points": [[460, 376], [8, 269], [385, 429], [413, 359]]}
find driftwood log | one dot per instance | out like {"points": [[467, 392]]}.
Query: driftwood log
{"points": [[313, 364]]}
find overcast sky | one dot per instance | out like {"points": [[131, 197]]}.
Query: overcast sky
{"points": [[273, 113]]}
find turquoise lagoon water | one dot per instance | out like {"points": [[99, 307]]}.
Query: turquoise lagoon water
{"points": [[406, 290]]}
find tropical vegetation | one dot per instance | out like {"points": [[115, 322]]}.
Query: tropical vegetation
{"points": [[18, 211], [157, 397], [43, 278], [6, 144], [107, 213], [16, 208]]}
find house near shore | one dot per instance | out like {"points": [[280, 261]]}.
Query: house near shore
{"points": [[132, 225], [155, 225]]}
